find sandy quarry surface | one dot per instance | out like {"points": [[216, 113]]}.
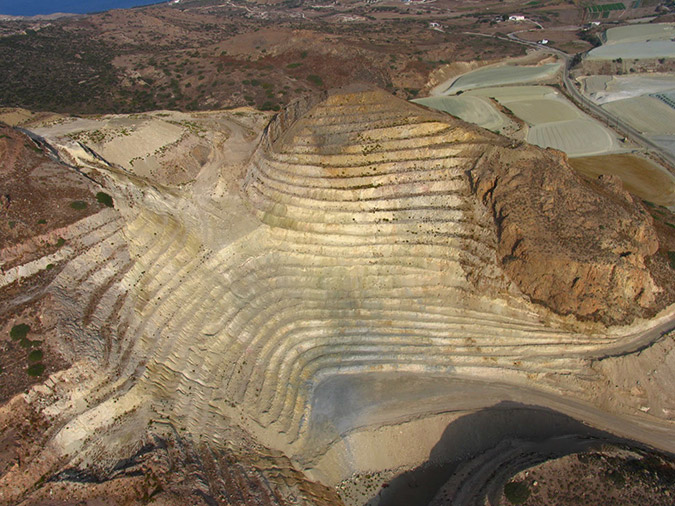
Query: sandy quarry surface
{"points": [[534, 65], [643, 101], [480, 111], [146, 145], [636, 41], [603, 89], [647, 114], [327, 297], [640, 33], [553, 120], [502, 74]]}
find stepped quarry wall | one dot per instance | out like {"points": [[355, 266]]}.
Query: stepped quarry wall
{"points": [[362, 241]]}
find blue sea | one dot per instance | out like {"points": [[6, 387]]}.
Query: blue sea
{"points": [[33, 7]]}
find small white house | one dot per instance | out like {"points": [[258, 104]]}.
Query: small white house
{"points": [[543, 41], [516, 17]]}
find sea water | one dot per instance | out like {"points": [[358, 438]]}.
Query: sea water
{"points": [[33, 7]]}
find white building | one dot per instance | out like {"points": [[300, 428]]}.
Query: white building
{"points": [[516, 17]]}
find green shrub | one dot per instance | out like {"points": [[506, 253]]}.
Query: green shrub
{"points": [[313, 78], [617, 478], [105, 199], [78, 204], [35, 369], [516, 492], [60, 242], [19, 331], [42, 222], [33, 147], [671, 257], [25, 342], [49, 267], [269, 106], [35, 356], [293, 65]]}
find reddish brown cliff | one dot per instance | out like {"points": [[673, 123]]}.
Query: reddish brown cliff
{"points": [[572, 245]]}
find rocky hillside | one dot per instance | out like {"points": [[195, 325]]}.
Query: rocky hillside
{"points": [[42, 204], [203, 55], [332, 295], [582, 248]]}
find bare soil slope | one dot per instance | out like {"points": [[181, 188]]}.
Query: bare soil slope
{"points": [[39, 200]]}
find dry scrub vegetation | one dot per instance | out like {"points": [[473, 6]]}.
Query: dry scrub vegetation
{"points": [[201, 56]]}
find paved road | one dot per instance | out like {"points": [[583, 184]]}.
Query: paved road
{"points": [[584, 103]]}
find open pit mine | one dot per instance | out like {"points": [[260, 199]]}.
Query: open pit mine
{"points": [[314, 307]]}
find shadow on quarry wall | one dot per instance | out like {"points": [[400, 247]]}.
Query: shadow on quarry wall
{"points": [[483, 439]]}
